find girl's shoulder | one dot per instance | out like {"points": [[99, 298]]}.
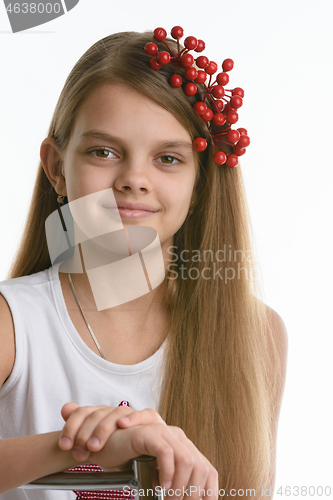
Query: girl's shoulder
{"points": [[277, 357], [30, 280], [278, 333], [7, 340], [25, 291], [21, 291]]}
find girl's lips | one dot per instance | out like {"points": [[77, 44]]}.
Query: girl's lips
{"points": [[128, 213]]}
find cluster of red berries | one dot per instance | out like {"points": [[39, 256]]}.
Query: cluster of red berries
{"points": [[223, 103]]}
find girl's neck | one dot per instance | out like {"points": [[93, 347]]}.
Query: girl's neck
{"points": [[128, 333]]}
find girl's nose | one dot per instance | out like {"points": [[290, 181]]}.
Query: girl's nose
{"points": [[134, 176]]}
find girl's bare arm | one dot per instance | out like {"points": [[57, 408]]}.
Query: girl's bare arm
{"points": [[27, 458], [7, 341]]}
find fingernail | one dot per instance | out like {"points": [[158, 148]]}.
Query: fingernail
{"points": [[167, 485], [125, 419], [93, 442], [65, 442], [79, 454]]}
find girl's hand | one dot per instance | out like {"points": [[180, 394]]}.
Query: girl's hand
{"points": [[88, 428], [181, 466]]}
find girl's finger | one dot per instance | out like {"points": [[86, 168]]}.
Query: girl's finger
{"points": [[212, 484], [125, 444], [67, 410], [175, 460], [73, 424], [204, 477], [191, 468], [97, 427], [142, 417], [197, 484]]}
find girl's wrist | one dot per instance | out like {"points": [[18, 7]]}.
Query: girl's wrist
{"points": [[64, 458]]}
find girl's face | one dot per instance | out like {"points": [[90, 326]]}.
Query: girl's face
{"points": [[123, 140]]}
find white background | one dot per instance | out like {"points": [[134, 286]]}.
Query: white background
{"points": [[283, 53]]}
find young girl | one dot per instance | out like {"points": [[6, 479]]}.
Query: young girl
{"points": [[199, 357]]}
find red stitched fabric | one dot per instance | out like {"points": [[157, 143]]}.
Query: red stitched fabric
{"points": [[99, 494]]}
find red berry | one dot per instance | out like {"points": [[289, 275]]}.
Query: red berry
{"points": [[238, 91], [177, 32], [232, 117], [233, 136], [200, 108], [218, 91], [200, 144], [190, 88], [238, 151], [202, 77], [228, 108], [244, 141], [154, 64], [202, 62], [187, 60], [222, 79], [176, 81], [163, 57], [207, 116], [219, 158], [217, 105], [232, 161], [211, 68], [160, 34], [201, 46], [151, 48], [191, 73], [227, 65], [191, 43], [219, 119], [236, 101], [242, 131]]}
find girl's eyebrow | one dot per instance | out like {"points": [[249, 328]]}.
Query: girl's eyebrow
{"points": [[176, 143], [98, 135]]}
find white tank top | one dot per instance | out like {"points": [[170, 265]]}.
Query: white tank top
{"points": [[53, 366]]}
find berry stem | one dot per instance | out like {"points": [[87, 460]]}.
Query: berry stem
{"points": [[167, 46], [183, 52], [221, 147], [223, 142], [218, 134]]}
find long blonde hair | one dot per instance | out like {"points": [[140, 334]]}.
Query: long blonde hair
{"points": [[219, 386]]}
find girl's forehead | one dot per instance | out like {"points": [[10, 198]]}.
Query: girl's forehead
{"points": [[117, 106]]}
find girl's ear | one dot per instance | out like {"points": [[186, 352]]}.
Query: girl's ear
{"points": [[53, 165]]}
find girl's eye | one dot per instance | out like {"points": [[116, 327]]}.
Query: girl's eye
{"points": [[103, 153], [168, 160]]}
